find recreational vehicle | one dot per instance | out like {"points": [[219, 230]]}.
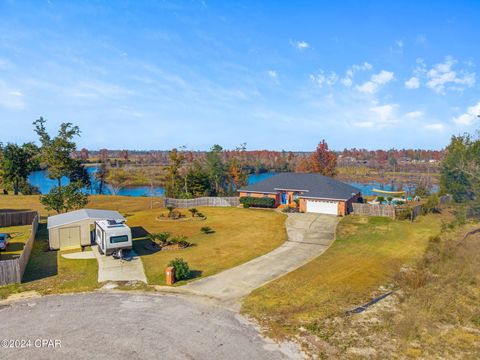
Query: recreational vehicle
{"points": [[112, 236]]}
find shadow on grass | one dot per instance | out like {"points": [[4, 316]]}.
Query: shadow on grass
{"points": [[43, 263], [15, 246], [195, 274], [140, 246], [139, 232]]}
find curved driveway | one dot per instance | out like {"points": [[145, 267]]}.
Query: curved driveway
{"points": [[309, 235]]}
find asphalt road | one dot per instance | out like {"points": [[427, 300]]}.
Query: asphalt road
{"points": [[130, 326]]}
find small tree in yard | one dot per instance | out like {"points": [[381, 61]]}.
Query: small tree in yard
{"points": [[193, 211], [182, 271], [170, 209]]}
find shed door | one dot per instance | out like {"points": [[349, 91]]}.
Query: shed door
{"points": [[70, 237], [322, 207]]}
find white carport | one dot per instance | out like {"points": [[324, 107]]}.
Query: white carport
{"points": [[73, 229]]}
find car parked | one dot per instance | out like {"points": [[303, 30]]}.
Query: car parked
{"points": [[3, 242]]}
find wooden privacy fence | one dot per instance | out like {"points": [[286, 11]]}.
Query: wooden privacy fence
{"points": [[16, 218], [374, 210], [11, 271], [203, 201]]}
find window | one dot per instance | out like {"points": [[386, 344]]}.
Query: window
{"points": [[118, 239]]}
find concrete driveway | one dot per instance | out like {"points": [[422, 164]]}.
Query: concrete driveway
{"points": [[309, 235], [131, 326], [111, 269]]}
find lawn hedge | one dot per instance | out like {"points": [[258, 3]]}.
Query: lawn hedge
{"points": [[264, 202]]}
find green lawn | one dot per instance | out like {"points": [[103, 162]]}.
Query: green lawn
{"points": [[367, 253], [239, 235], [16, 241], [48, 272]]}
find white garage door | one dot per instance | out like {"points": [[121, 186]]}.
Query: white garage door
{"points": [[322, 207]]}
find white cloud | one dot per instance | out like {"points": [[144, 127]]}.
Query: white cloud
{"points": [[442, 76], [434, 126], [10, 98], [376, 81], [273, 75], [384, 113], [399, 43], [347, 80], [469, 116], [300, 45], [412, 83], [322, 78], [414, 114]]}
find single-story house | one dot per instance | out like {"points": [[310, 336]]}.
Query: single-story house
{"points": [[314, 192], [74, 229]]}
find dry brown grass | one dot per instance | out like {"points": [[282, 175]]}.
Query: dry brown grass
{"points": [[434, 314]]}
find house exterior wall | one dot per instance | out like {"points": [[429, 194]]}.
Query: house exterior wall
{"points": [[54, 234], [344, 207]]}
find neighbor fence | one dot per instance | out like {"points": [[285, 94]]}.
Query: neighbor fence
{"points": [[11, 271], [390, 211], [374, 210], [15, 218], [203, 201]]}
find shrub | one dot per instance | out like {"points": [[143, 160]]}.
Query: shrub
{"points": [[380, 199], [206, 230], [404, 214], [264, 202], [389, 199], [182, 270], [184, 244], [431, 205], [178, 239], [163, 237]]}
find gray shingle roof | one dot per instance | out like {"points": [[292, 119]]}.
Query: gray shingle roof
{"points": [[318, 186], [83, 214]]}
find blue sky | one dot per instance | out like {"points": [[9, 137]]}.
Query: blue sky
{"points": [[276, 75]]}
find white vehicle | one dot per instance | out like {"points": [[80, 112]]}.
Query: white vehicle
{"points": [[112, 237]]}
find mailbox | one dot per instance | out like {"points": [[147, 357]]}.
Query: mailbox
{"points": [[170, 275]]}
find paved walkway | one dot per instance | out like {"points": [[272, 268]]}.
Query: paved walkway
{"points": [[80, 255], [111, 269], [309, 235]]}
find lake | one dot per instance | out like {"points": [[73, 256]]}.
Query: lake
{"points": [[44, 184], [41, 180]]}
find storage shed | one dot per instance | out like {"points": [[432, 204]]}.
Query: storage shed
{"points": [[74, 229]]}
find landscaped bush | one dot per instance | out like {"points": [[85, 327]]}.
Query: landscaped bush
{"points": [[182, 271], [163, 237], [263, 202], [380, 199], [206, 230]]}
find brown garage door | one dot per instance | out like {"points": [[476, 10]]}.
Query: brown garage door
{"points": [[69, 237]]}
